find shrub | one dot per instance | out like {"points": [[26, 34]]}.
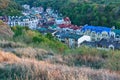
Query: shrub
{"points": [[37, 39]]}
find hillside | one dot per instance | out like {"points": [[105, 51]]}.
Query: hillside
{"points": [[9, 8], [32, 56], [4, 4], [29, 69], [5, 30]]}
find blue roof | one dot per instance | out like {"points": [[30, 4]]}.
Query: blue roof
{"points": [[97, 29]]}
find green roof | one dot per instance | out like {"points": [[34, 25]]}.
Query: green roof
{"points": [[54, 26], [59, 18], [116, 31], [42, 29]]}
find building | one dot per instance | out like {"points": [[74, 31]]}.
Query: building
{"points": [[4, 18], [71, 39], [59, 20], [96, 32], [40, 9], [104, 43], [49, 10], [117, 33], [96, 29], [27, 7], [29, 21], [67, 20]]}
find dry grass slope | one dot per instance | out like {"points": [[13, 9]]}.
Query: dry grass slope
{"points": [[16, 68], [5, 30], [8, 57]]}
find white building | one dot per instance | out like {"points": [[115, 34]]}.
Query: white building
{"points": [[26, 6], [31, 22], [59, 21], [82, 39]]}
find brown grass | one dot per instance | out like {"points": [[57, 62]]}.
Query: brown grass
{"points": [[10, 44], [30, 52], [5, 30], [8, 57], [31, 69]]}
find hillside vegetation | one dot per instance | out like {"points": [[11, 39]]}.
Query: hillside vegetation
{"points": [[16, 68], [32, 56], [36, 39], [9, 8], [4, 3], [5, 30]]}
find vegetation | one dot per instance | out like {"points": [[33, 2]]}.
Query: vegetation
{"points": [[94, 58], [9, 8], [35, 39], [15, 68], [4, 3], [5, 31]]}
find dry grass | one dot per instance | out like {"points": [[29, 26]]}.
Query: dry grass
{"points": [[10, 44], [5, 30], [30, 52], [8, 57], [30, 69]]}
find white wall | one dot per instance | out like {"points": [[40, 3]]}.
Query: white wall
{"points": [[83, 38]]}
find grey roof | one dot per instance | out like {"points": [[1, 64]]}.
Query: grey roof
{"points": [[70, 35], [45, 30]]}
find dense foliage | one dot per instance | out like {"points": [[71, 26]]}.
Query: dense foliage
{"points": [[92, 14], [35, 39], [9, 8]]}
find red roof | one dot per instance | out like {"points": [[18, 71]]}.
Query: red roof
{"points": [[74, 27], [64, 25], [67, 19]]}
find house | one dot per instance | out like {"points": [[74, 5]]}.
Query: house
{"points": [[71, 39], [30, 21], [67, 20], [117, 33], [97, 29], [104, 43], [96, 32], [109, 43], [49, 10], [4, 18], [59, 20], [44, 30], [53, 27], [40, 9], [26, 6], [69, 27], [83, 38], [90, 43]]}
